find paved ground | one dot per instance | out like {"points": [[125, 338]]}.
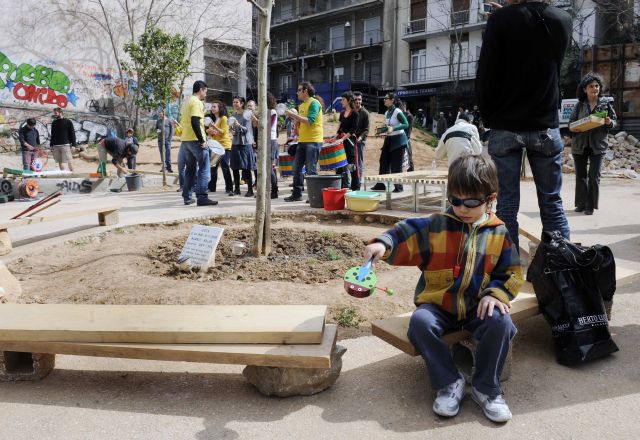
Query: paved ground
{"points": [[381, 393]]}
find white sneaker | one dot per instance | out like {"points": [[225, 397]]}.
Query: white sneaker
{"points": [[447, 403], [496, 408]]}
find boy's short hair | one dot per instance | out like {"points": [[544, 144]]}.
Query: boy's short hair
{"points": [[129, 130], [466, 117], [31, 122], [472, 176]]}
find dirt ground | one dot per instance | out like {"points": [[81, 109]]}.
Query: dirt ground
{"points": [[137, 265]]}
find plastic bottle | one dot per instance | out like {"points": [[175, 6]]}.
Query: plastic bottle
{"points": [[434, 164]]}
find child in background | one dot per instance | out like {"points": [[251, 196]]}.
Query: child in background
{"points": [[470, 271], [132, 142], [461, 139]]}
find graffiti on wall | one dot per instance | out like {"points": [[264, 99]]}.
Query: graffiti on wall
{"points": [[37, 84], [87, 131]]}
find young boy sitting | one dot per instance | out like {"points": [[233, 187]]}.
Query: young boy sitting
{"points": [[469, 268]]}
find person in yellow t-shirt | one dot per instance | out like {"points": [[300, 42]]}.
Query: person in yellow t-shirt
{"points": [[219, 131], [310, 137], [193, 158]]}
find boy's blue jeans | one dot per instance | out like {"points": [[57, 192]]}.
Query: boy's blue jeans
{"points": [[544, 151], [306, 156], [429, 323]]}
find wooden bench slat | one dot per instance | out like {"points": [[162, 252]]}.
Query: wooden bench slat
{"points": [[168, 324], [268, 355]]}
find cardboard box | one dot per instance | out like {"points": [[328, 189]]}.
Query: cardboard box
{"points": [[586, 124]]}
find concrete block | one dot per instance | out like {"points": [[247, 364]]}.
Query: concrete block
{"points": [[464, 356], [15, 365]]}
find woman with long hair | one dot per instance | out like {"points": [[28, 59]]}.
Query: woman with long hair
{"points": [[273, 120], [242, 158], [347, 129], [588, 147], [395, 142], [219, 131]]}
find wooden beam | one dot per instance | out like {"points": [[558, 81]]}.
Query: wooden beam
{"points": [[59, 216], [267, 355], [163, 324]]}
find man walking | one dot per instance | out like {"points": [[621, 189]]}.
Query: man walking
{"points": [[194, 147], [361, 133], [310, 137], [29, 141], [166, 142], [63, 137], [517, 89]]}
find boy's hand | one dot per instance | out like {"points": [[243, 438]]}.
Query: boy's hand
{"points": [[488, 303], [375, 250]]}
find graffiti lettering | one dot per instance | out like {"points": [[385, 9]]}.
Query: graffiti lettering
{"points": [[86, 131], [40, 76], [75, 187], [39, 95]]}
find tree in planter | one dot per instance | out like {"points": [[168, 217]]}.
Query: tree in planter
{"points": [[262, 224], [159, 61]]}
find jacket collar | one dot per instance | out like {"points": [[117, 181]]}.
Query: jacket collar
{"points": [[491, 221]]}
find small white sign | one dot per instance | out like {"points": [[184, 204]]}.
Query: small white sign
{"points": [[201, 245]]}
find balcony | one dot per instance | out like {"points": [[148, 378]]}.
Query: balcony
{"points": [[322, 45], [317, 8], [419, 29], [442, 73]]}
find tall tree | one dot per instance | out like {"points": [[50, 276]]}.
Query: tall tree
{"points": [[262, 224], [159, 60]]}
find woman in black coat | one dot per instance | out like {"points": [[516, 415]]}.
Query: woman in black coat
{"points": [[588, 147]]}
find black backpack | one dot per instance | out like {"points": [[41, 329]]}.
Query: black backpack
{"points": [[571, 282]]}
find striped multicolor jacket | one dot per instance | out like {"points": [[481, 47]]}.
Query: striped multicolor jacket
{"points": [[487, 263]]}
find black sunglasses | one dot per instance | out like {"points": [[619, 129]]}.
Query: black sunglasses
{"points": [[469, 203]]}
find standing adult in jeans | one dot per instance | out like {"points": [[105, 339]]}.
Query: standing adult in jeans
{"points": [[166, 141], [194, 148], [29, 141], [361, 132], [517, 89], [310, 137]]}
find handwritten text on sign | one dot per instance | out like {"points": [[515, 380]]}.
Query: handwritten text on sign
{"points": [[201, 245]]}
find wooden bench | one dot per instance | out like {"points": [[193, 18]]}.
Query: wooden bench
{"points": [[107, 215], [302, 365], [413, 178]]}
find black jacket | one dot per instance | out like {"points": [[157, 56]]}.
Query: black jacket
{"points": [[62, 132], [28, 135], [517, 79]]}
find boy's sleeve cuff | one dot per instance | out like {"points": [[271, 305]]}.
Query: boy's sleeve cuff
{"points": [[497, 294], [386, 241]]}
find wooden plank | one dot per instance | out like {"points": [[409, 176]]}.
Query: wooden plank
{"points": [[529, 228], [268, 355], [394, 330], [59, 216], [163, 324]]}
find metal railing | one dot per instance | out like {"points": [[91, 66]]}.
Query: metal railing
{"points": [[416, 27], [459, 18], [443, 22], [324, 44], [439, 73], [311, 8]]}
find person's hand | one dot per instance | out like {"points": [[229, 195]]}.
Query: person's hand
{"points": [[375, 250], [30, 148], [288, 113], [203, 145], [389, 129], [494, 5], [488, 303], [607, 121]]}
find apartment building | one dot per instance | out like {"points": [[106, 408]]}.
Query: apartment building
{"points": [[338, 45]]}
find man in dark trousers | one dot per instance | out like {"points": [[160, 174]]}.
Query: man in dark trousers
{"points": [[63, 137], [29, 141], [361, 132], [518, 94]]}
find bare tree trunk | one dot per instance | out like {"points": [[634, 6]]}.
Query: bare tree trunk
{"points": [[162, 154], [263, 205]]}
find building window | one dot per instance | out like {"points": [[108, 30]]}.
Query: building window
{"points": [[285, 49], [336, 35], [286, 9], [372, 30], [418, 65], [285, 82]]}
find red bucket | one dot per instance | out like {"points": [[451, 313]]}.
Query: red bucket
{"points": [[333, 198]]}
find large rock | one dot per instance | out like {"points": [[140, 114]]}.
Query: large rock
{"points": [[10, 288], [286, 382]]}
